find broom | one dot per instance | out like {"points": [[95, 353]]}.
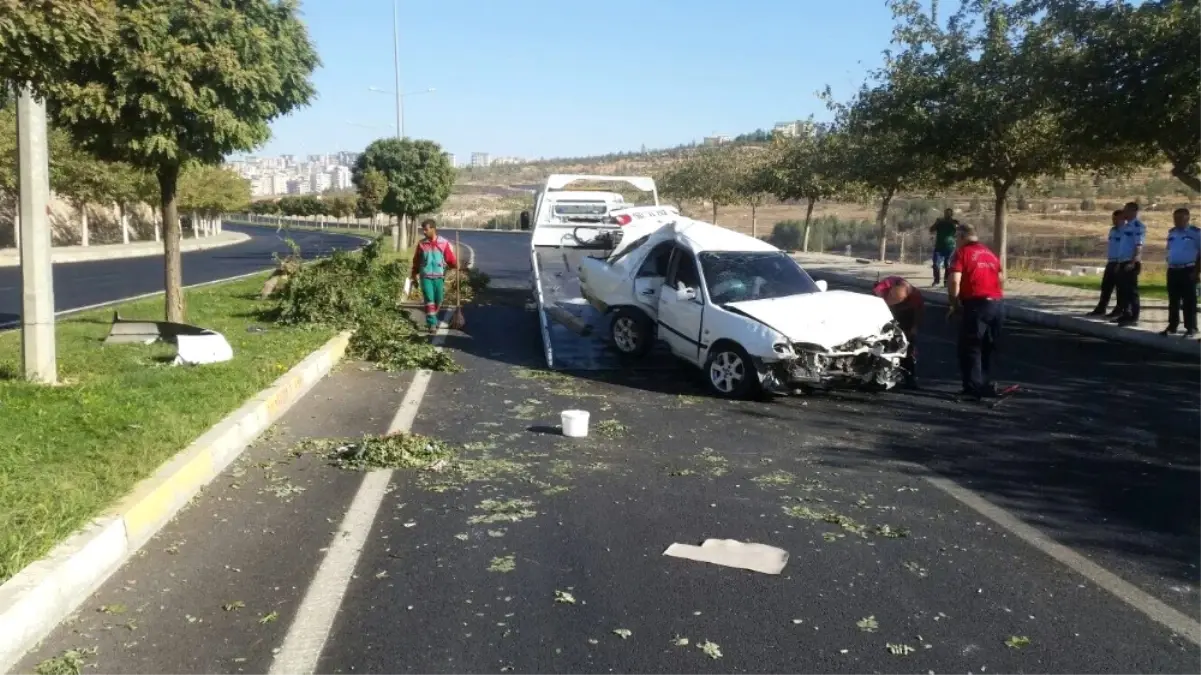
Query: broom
{"points": [[457, 320]]}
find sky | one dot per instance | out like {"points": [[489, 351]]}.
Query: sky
{"points": [[544, 78]]}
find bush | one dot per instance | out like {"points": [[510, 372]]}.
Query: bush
{"points": [[359, 291], [787, 235], [1088, 205]]}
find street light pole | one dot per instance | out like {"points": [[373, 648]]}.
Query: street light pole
{"points": [[400, 123], [37, 280]]}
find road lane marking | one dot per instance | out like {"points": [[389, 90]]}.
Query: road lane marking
{"points": [[1144, 602], [306, 638]]}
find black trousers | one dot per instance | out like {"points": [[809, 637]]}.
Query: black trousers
{"points": [[1128, 298], [1108, 281], [906, 318], [979, 333], [1182, 291]]}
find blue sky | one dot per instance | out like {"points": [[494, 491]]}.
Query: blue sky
{"points": [[544, 78]]}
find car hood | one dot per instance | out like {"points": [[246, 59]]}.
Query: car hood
{"points": [[828, 319]]}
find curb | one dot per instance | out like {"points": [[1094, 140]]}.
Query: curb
{"points": [[45, 592], [1068, 324], [138, 250]]}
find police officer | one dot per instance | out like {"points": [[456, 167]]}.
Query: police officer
{"points": [[907, 306], [1184, 266], [975, 294], [1111, 267], [1130, 263]]}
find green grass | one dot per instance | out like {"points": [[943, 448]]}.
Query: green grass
{"points": [[68, 453], [1149, 285]]}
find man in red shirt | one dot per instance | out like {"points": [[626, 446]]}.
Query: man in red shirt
{"points": [[907, 306], [975, 293]]}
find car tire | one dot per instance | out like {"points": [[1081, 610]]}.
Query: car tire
{"points": [[631, 332], [730, 373]]}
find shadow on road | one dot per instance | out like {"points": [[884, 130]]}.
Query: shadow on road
{"points": [[1099, 449]]}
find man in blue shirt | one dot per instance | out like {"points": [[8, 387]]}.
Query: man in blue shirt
{"points": [[1184, 267], [1130, 263], [1109, 279]]}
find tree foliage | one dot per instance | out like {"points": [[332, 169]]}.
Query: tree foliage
{"points": [[160, 83], [809, 168], [417, 177]]}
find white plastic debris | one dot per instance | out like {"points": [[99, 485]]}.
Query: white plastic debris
{"points": [[195, 350], [732, 553], [575, 423]]}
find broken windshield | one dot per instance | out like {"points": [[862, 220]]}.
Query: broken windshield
{"points": [[736, 276]]}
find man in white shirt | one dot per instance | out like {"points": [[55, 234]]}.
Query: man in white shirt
{"points": [[1130, 263], [1184, 268], [1109, 280]]}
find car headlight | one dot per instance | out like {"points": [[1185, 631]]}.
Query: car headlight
{"points": [[782, 349]]}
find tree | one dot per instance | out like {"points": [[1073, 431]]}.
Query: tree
{"points": [[372, 187], [881, 139], [172, 82], [1129, 83], [754, 182], [676, 184], [979, 90], [714, 178], [417, 174], [808, 168]]}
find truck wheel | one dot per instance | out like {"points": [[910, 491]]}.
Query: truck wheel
{"points": [[730, 372], [631, 332]]}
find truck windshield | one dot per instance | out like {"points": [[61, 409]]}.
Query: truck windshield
{"points": [[736, 276]]}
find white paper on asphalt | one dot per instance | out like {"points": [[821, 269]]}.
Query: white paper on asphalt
{"points": [[733, 553]]}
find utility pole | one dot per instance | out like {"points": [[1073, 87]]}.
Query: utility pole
{"points": [[37, 278], [400, 115]]}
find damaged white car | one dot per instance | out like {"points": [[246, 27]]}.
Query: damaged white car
{"points": [[740, 309]]}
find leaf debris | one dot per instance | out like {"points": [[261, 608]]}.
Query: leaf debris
{"points": [[506, 563], [70, 662], [564, 597], [269, 617], [711, 649], [899, 649], [868, 624], [623, 633], [231, 606], [1017, 641]]}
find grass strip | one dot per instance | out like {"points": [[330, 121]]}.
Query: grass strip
{"points": [[69, 452]]}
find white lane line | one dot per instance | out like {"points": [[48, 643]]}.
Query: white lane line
{"points": [[1153, 608], [314, 620]]}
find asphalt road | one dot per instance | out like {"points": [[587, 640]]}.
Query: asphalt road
{"points": [[83, 284], [1099, 453]]}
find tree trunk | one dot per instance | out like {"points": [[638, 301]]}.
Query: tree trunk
{"points": [[85, 236], [714, 212], [1186, 177], [168, 182], [882, 222], [195, 225], [17, 229], [808, 219], [901, 238], [157, 226], [404, 233], [123, 218], [1000, 235], [754, 221]]}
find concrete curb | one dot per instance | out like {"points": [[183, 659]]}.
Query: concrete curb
{"points": [[70, 254], [1035, 317], [44, 593]]}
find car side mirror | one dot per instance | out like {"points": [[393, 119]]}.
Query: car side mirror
{"points": [[525, 220], [685, 294], [822, 285]]}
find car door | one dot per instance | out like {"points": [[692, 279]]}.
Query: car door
{"points": [[682, 306], [650, 275]]}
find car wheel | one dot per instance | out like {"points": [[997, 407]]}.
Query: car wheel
{"points": [[631, 332], [730, 372]]}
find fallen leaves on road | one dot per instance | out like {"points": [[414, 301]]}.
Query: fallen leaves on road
{"points": [[711, 649], [899, 649], [507, 511], [115, 608], [1017, 641], [269, 617], [623, 633], [231, 606], [776, 478], [920, 571], [868, 624], [680, 641], [564, 597], [611, 428], [506, 563], [396, 451], [70, 662]]}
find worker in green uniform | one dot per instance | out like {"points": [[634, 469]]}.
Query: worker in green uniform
{"points": [[943, 230], [433, 256]]}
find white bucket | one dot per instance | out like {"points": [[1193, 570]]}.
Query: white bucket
{"points": [[575, 423]]}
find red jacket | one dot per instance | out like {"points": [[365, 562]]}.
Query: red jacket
{"points": [[432, 258]]}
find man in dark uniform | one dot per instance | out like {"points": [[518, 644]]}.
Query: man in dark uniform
{"points": [[1184, 271], [943, 230], [907, 306], [975, 294]]}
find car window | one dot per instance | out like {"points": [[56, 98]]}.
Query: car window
{"points": [[735, 276], [684, 270], [631, 248], [656, 261]]}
